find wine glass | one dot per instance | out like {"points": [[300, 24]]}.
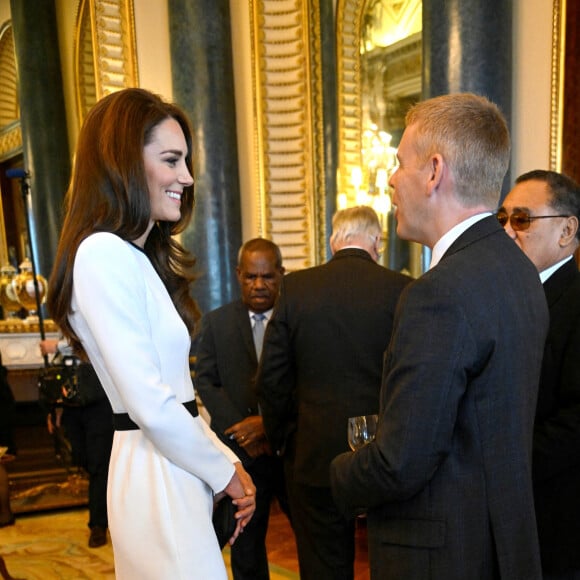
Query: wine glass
{"points": [[361, 430]]}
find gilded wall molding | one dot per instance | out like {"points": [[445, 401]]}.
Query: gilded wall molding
{"points": [[10, 131], [105, 50], [287, 82], [557, 83], [10, 141], [10, 134], [348, 34]]}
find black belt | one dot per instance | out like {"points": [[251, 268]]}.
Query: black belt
{"points": [[122, 421]]}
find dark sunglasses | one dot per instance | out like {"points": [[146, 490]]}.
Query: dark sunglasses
{"points": [[520, 220]]}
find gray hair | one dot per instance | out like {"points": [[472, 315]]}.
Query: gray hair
{"points": [[355, 223]]}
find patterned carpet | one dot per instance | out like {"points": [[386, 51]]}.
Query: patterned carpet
{"points": [[53, 545], [46, 546], [49, 539]]}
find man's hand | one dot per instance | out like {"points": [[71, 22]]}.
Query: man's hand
{"points": [[52, 426], [250, 435], [48, 346]]}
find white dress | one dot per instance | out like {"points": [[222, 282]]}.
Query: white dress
{"points": [[163, 476]]}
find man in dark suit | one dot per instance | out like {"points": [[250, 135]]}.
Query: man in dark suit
{"points": [[321, 365], [227, 358], [541, 214], [89, 429], [446, 484]]}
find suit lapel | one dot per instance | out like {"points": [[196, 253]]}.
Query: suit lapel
{"points": [[245, 328], [557, 283]]}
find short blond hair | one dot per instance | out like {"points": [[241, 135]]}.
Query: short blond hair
{"points": [[472, 135]]}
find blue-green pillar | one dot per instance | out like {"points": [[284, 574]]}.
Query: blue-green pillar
{"points": [[43, 122], [203, 84], [467, 47], [330, 109]]}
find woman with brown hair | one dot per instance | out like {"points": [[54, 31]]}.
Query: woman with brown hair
{"points": [[119, 292]]}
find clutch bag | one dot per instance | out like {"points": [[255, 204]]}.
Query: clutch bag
{"points": [[224, 522]]}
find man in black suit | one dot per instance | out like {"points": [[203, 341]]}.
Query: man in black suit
{"points": [[227, 357], [89, 430], [321, 365], [541, 214], [446, 484]]}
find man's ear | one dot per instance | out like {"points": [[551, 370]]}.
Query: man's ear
{"points": [[569, 231], [377, 248], [437, 168], [332, 246]]}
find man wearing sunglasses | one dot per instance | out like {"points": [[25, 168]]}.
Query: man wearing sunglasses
{"points": [[446, 484], [541, 214]]}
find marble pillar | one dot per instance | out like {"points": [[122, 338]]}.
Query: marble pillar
{"points": [[43, 122], [202, 73], [467, 47]]}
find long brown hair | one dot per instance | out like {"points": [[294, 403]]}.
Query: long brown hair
{"points": [[108, 193]]}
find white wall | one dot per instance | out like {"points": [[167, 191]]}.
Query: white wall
{"points": [[153, 49], [532, 46]]}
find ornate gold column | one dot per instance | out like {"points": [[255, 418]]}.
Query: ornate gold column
{"points": [[290, 127]]}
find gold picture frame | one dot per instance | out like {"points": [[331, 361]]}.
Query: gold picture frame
{"points": [[557, 83]]}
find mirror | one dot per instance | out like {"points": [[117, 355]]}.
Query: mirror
{"points": [[380, 68]]}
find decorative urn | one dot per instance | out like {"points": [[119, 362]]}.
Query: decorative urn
{"points": [[8, 298], [24, 287]]}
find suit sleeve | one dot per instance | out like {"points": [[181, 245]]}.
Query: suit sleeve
{"points": [[208, 381], [423, 382], [557, 438], [275, 378]]}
